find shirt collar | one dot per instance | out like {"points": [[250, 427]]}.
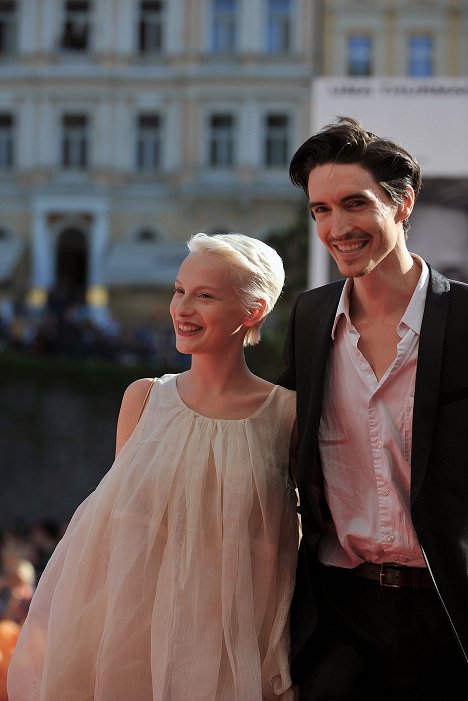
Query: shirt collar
{"points": [[343, 305], [413, 315]]}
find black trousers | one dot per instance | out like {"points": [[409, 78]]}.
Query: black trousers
{"points": [[376, 643]]}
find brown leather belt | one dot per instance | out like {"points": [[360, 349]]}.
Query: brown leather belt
{"points": [[389, 575]]}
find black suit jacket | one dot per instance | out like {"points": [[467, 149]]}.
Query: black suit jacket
{"points": [[439, 461]]}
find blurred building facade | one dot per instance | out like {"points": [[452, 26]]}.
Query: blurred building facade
{"points": [[127, 125], [415, 38]]}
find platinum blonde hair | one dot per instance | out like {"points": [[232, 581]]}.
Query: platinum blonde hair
{"points": [[257, 271]]}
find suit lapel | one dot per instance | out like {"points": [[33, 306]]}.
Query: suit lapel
{"points": [[430, 353]]}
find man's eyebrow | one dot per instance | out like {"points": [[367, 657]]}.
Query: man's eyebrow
{"points": [[361, 195], [353, 196]]}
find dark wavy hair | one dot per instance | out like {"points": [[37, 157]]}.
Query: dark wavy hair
{"points": [[346, 141]]}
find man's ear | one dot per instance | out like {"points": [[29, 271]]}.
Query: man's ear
{"points": [[405, 209], [255, 314]]}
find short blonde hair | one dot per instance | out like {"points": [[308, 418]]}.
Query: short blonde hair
{"points": [[257, 269]]}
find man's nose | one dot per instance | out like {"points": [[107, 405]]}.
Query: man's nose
{"points": [[341, 223]]}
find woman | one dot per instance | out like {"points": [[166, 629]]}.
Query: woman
{"points": [[174, 578]]}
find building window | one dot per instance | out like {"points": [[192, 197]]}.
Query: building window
{"points": [[221, 140], [225, 19], [147, 236], [76, 25], [6, 141], [279, 26], [74, 141], [7, 28], [276, 139], [148, 147], [151, 27], [359, 55], [421, 52]]}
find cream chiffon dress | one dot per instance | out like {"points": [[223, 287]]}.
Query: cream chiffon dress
{"points": [[174, 578]]}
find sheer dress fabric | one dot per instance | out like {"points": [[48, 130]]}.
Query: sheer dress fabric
{"points": [[174, 578]]}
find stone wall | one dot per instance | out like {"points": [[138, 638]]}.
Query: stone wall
{"points": [[57, 439]]}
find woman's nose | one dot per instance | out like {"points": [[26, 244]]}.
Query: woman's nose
{"points": [[185, 305]]}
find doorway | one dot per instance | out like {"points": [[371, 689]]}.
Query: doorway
{"points": [[71, 269]]}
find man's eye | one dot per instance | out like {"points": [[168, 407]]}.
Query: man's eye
{"points": [[320, 210], [204, 295], [178, 290]]}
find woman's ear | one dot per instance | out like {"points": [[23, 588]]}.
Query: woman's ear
{"points": [[255, 314]]}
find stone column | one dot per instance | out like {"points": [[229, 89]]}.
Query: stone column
{"points": [[42, 263], [97, 296]]}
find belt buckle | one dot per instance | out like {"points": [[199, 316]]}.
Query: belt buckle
{"points": [[382, 581]]}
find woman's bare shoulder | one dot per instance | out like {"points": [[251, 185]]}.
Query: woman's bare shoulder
{"points": [[136, 392], [133, 402]]}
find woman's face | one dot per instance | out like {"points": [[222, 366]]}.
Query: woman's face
{"points": [[206, 310]]}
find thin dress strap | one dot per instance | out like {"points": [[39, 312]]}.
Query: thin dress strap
{"points": [[145, 401]]}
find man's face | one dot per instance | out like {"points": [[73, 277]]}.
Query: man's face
{"points": [[356, 220]]}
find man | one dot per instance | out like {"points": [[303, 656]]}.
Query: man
{"points": [[379, 362]]}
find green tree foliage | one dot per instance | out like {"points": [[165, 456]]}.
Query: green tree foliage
{"points": [[292, 244]]}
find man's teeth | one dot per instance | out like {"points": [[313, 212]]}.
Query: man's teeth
{"points": [[347, 247]]}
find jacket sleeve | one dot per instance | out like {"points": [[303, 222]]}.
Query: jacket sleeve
{"points": [[288, 376]]}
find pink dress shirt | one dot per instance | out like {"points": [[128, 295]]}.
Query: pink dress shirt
{"points": [[365, 443]]}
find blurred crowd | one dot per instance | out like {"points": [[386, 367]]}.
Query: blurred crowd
{"points": [[24, 553], [74, 330]]}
